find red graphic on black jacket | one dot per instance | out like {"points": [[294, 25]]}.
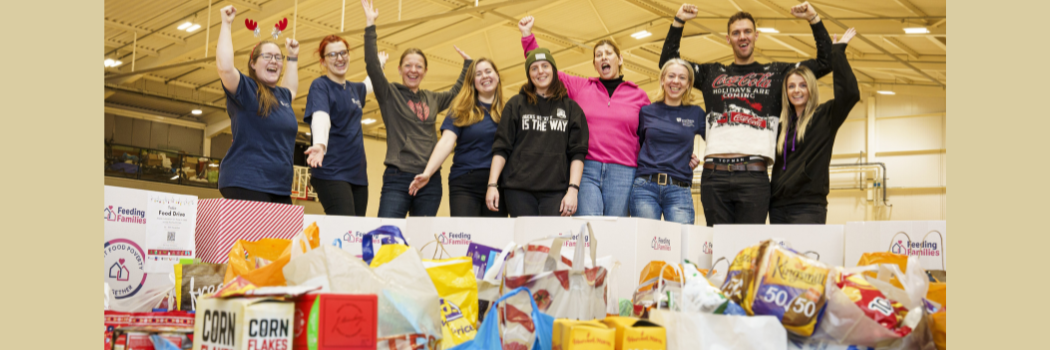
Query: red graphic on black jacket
{"points": [[760, 80], [737, 115], [757, 106], [422, 109]]}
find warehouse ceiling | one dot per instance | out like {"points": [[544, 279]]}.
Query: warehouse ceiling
{"points": [[168, 71]]}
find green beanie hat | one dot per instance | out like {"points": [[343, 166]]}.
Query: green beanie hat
{"points": [[540, 54]]}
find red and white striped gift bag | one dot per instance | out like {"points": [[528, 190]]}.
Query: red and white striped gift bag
{"points": [[221, 222]]}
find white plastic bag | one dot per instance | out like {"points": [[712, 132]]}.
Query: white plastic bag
{"points": [[697, 330]]}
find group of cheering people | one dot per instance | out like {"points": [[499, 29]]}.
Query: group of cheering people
{"points": [[563, 145]]}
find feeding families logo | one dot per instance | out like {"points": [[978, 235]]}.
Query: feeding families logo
{"points": [[906, 246], [449, 238], [661, 243], [708, 247], [354, 237], [124, 261], [121, 214]]}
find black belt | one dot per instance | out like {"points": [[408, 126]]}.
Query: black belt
{"points": [[664, 179], [735, 164]]}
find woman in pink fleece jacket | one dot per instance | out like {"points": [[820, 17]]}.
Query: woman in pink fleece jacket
{"points": [[611, 106]]}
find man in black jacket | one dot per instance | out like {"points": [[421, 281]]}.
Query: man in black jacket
{"points": [[743, 109]]}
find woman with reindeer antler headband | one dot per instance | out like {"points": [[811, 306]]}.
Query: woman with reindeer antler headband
{"points": [[410, 115], [258, 166]]}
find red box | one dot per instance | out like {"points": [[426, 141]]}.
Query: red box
{"points": [[343, 321], [221, 222]]}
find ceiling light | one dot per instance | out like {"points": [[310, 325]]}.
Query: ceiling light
{"points": [[916, 30], [307, 134], [175, 178], [193, 27], [368, 121], [642, 34], [185, 25], [108, 62], [886, 92], [117, 63], [196, 111], [768, 30]]}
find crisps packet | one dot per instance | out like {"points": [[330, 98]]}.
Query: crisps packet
{"points": [[870, 300], [742, 273], [789, 286]]}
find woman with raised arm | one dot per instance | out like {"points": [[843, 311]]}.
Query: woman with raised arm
{"points": [[409, 114], [611, 105], [541, 142], [807, 135], [470, 128], [258, 165], [333, 110], [667, 129]]}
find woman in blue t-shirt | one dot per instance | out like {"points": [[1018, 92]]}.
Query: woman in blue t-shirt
{"points": [[258, 165], [666, 130], [333, 110], [471, 127]]}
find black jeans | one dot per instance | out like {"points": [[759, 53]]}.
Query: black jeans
{"points": [[341, 197], [245, 194], [466, 195], [799, 214], [533, 203], [734, 197], [395, 202]]}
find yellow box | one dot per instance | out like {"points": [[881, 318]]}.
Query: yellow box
{"points": [[582, 335], [637, 334]]}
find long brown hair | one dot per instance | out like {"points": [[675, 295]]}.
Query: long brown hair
{"points": [[556, 91], [807, 113], [267, 101], [465, 107], [687, 96]]}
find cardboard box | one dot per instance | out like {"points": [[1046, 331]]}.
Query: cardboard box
{"points": [[582, 335], [697, 244], [637, 334], [631, 241], [456, 234], [243, 324], [926, 239], [336, 321], [221, 222], [346, 232], [825, 240]]}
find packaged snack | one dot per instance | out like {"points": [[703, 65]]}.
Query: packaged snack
{"points": [[870, 300], [742, 273], [789, 286]]}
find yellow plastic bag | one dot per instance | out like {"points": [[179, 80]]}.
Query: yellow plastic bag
{"points": [[458, 288], [939, 328], [261, 262], [386, 253]]}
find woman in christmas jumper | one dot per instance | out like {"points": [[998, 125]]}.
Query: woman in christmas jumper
{"points": [[333, 110], [542, 140], [409, 114], [470, 128], [258, 166], [807, 135]]}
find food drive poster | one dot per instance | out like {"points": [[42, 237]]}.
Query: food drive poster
{"points": [[171, 221]]}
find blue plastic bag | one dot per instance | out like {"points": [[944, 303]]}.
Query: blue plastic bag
{"points": [[387, 234], [159, 343], [488, 334]]}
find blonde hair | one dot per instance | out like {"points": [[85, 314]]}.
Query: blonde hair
{"points": [[465, 107], [687, 96], [807, 113]]}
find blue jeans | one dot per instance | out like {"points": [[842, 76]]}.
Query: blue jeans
{"points": [[605, 189], [649, 200], [395, 202]]}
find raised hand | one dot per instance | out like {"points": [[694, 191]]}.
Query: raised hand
{"points": [[850, 33], [292, 46], [687, 12], [466, 57], [417, 184], [525, 25], [804, 11], [382, 58], [370, 12], [314, 155], [228, 13]]}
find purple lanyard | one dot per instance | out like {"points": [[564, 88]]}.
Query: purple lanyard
{"points": [[794, 136]]}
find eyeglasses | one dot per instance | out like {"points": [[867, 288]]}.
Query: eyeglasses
{"points": [[270, 56], [340, 54]]}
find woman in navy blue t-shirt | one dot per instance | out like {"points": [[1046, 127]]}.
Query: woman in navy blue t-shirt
{"points": [[666, 130], [333, 110], [258, 165], [471, 127]]}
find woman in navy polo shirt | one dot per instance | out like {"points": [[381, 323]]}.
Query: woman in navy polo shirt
{"points": [[471, 127], [666, 130], [258, 165], [333, 110]]}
